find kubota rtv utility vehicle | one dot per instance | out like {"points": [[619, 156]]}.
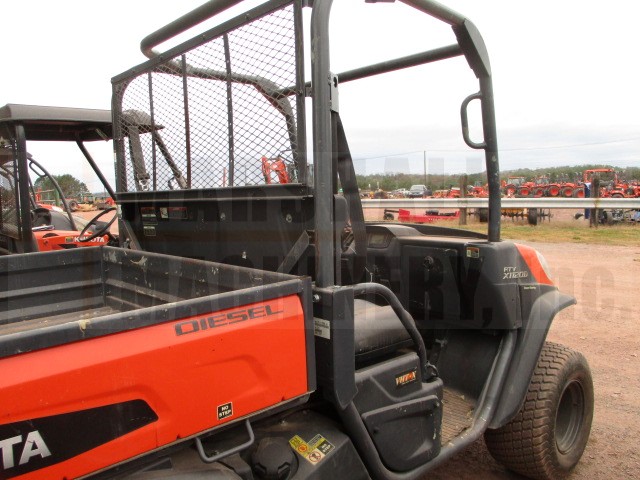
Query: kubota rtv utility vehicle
{"points": [[246, 330], [27, 222]]}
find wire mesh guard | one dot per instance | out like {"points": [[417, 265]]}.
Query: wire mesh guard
{"points": [[8, 192], [214, 116]]}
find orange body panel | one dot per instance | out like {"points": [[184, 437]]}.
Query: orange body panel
{"points": [[533, 262], [253, 356], [63, 239]]}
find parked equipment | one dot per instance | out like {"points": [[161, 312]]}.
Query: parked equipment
{"points": [[265, 331], [27, 222], [429, 216]]}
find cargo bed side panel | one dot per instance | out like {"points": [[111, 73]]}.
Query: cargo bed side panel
{"points": [[98, 402]]}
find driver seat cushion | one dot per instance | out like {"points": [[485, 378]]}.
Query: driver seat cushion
{"points": [[378, 331]]}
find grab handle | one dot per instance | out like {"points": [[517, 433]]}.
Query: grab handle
{"points": [[465, 121], [214, 458]]}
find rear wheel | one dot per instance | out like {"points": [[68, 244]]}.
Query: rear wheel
{"points": [[547, 437], [578, 193], [510, 190], [538, 192], [553, 191], [606, 217]]}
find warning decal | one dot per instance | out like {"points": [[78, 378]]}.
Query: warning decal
{"points": [[473, 252], [225, 411], [322, 328], [313, 451]]}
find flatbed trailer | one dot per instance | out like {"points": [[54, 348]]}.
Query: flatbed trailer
{"points": [[429, 216]]}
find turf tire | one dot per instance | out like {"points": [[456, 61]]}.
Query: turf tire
{"points": [[547, 437]]}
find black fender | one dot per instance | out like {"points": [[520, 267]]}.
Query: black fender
{"points": [[529, 343]]}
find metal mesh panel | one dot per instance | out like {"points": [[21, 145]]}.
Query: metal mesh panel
{"points": [[8, 193], [206, 117]]}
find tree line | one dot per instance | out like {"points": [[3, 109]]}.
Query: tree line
{"points": [[393, 181], [71, 187]]}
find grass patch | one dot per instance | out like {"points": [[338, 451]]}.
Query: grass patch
{"points": [[566, 232]]}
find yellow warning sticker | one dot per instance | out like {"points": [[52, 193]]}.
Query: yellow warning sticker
{"points": [[313, 451], [473, 252]]}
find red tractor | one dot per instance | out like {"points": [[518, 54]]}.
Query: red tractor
{"points": [[539, 186], [478, 190], [610, 185], [633, 189], [514, 186], [553, 189], [568, 188]]}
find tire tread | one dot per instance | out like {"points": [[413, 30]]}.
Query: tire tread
{"points": [[522, 444]]}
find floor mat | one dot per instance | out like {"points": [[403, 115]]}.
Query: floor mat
{"points": [[457, 414]]}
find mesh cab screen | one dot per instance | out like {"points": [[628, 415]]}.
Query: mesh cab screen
{"points": [[222, 110], [8, 193]]}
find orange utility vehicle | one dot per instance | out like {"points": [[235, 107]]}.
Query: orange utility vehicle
{"points": [[27, 223], [245, 330]]}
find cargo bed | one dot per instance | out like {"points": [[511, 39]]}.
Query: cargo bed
{"points": [[51, 298], [117, 349]]}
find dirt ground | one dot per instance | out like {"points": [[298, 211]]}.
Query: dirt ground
{"points": [[605, 327]]}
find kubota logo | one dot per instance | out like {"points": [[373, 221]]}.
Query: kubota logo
{"points": [[78, 239], [31, 446]]}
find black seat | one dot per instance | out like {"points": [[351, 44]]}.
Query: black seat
{"points": [[378, 331]]}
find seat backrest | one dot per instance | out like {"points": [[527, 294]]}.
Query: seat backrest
{"points": [[378, 331]]}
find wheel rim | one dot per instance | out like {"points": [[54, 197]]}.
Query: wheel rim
{"points": [[569, 417]]}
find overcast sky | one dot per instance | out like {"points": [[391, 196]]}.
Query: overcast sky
{"points": [[565, 77]]}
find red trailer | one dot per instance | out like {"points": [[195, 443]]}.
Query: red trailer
{"points": [[429, 216]]}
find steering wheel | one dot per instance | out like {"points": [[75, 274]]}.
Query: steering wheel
{"points": [[101, 231]]}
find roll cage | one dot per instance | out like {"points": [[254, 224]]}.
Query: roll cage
{"points": [[253, 104]]}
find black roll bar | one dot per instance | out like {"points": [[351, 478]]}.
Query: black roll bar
{"points": [[323, 174], [24, 225], [95, 168], [414, 60], [184, 23], [436, 10], [475, 51]]}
